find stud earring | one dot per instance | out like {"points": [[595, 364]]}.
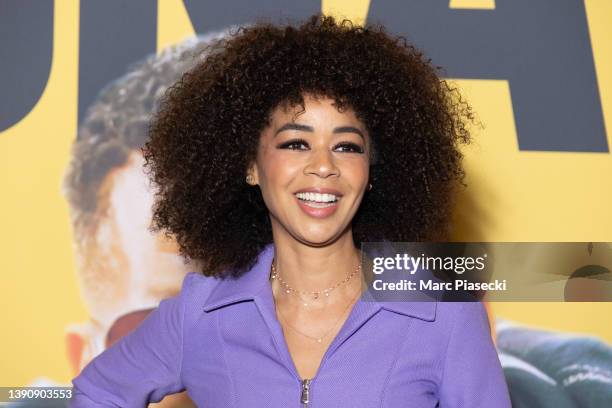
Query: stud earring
{"points": [[249, 179], [369, 186]]}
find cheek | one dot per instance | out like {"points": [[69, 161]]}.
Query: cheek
{"points": [[356, 173], [279, 170], [166, 245]]}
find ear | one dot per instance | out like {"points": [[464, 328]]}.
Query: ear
{"points": [[74, 350], [252, 171]]}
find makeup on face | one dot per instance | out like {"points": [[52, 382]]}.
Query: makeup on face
{"points": [[312, 168], [317, 200]]}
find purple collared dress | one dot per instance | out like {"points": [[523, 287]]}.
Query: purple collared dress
{"points": [[221, 341]]}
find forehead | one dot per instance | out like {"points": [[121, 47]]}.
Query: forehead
{"points": [[125, 192], [316, 108]]}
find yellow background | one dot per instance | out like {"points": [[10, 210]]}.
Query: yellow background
{"points": [[519, 196]]}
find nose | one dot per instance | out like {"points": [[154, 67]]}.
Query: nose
{"points": [[322, 164]]}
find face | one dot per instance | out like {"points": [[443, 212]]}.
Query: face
{"points": [[125, 267], [313, 170]]}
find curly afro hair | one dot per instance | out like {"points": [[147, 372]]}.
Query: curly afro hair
{"points": [[207, 130]]}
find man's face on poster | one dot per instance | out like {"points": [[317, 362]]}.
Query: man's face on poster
{"points": [[124, 269]]}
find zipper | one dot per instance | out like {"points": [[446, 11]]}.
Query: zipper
{"points": [[305, 396]]}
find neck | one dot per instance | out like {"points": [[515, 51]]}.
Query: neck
{"points": [[313, 268]]}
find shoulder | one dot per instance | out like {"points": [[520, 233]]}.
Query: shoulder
{"points": [[463, 325], [196, 288], [195, 291], [449, 314], [457, 321]]}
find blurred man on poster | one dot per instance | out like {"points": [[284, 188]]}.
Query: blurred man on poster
{"points": [[124, 269]]}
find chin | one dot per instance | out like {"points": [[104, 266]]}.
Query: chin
{"points": [[319, 238]]}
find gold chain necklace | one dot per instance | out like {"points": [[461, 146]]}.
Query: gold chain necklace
{"points": [[318, 339], [315, 294]]}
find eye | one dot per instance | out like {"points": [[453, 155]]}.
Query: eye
{"points": [[296, 144], [349, 148]]}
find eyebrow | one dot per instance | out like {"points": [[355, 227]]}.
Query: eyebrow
{"points": [[306, 128]]}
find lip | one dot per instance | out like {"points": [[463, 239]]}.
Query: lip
{"points": [[315, 212]]}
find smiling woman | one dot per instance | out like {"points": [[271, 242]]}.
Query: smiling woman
{"points": [[318, 160], [274, 159]]}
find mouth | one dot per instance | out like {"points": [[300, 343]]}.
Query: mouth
{"points": [[318, 200]]}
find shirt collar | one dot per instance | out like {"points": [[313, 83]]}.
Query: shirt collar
{"points": [[251, 285], [246, 287]]}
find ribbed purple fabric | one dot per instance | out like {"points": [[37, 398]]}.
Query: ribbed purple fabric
{"points": [[221, 341]]}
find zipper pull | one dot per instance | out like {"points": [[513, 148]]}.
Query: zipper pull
{"points": [[305, 397]]}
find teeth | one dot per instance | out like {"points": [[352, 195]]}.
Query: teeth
{"points": [[317, 197]]}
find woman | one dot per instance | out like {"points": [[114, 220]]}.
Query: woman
{"points": [[274, 160]]}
